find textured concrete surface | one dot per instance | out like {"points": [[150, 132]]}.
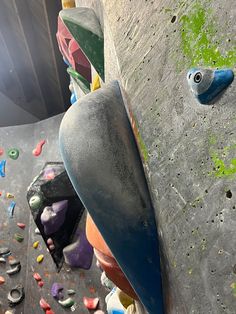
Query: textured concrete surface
{"points": [[188, 149]]}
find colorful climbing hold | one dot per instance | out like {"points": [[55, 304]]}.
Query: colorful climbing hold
{"points": [[44, 305], [67, 303], [50, 312], [2, 168], [35, 201], [13, 153], [91, 303], [40, 283], [1, 151], [206, 84], [95, 83], [11, 209], [37, 277], [36, 231], [57, 290], [21, 225], [9, 195], [35, 244], [40, 258], [18, 237], [2, 280], [70, 291], [38, 150]]}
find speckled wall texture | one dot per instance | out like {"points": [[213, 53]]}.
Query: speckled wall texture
{"points": [[188, 149]]}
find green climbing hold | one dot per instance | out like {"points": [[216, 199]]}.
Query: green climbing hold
{"points": [[19, 237], [67, 303], [80, 80], [13, 153], [35, 201], [84, 26]]}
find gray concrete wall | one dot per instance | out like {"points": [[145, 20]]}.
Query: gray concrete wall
{"points": [[188, 149]]}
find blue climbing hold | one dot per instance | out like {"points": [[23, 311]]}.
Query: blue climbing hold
{"points": [[2, 168], [11, 209], [206, 84], [73, 98]]}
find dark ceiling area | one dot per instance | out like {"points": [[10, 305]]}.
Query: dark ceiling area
{"points": [[33, 78]]}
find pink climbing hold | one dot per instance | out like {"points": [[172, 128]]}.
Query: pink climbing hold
{"points": [[91, 303], [37, 277], [44, 305], [38, 150], [1, 151], [21, 225]]}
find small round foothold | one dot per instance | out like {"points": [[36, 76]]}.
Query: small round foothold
{"points": [[49, 241], [13, 153], [91, 303], [51, 247], [35, 201], [1, 151], [16, 295], [40, 258]]}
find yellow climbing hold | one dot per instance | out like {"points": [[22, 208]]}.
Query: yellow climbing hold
{"points": [[35, 244], [95, 83], [67, 4], [9, 195], [40, 258]]}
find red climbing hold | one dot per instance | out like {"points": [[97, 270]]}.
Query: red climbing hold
{"points": [[44, 305], [91, 303], [50, 312], [1, 151], [21, 225], [38, 150], [40, 283], [37, 277]]}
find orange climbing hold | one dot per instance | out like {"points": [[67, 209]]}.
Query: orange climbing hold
{"points": [[38, 150], [2, 280]]}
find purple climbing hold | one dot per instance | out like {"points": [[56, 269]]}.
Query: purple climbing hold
{"points": [[80, 253], [53, 217], [57, 291]]}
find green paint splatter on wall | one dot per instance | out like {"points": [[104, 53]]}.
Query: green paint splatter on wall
{"points": [[198, 30], [233, 286], [223, 168]]}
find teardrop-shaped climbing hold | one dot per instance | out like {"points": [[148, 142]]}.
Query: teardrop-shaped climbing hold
{"points": [[35, 244], [40, 258], [70, 291]]}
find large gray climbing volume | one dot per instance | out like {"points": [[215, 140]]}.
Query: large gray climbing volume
{"points": [[103, 163]]}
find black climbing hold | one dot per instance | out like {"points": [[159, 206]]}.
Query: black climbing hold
{"points": [[173, 19], [16, 295]]}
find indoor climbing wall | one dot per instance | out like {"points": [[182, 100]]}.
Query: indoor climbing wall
{"points": [[24, 259], [188, 149]]}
